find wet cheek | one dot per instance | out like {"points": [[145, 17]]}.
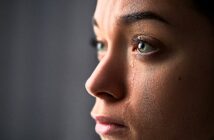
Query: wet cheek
{"points": [[148, 96], [149, 99], [142, 101]]}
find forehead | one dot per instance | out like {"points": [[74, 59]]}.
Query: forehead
{"points": [[124, 5], [108, 11]]}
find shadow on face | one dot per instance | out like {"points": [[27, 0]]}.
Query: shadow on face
{"points": [[155, 75]]}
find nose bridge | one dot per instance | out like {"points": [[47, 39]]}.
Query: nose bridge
{"points": [[108, 77]]}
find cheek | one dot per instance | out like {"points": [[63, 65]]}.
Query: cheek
{"points": [[145, 100], [168, 96]]}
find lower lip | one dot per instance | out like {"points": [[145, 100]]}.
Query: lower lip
{"points": [[109, 129]]}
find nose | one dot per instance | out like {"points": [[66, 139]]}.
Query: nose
{"points": [[108, 79]]}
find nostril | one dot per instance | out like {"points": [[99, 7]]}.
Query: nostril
{"points": [[107, 81], [105, 96], [102, 94]]}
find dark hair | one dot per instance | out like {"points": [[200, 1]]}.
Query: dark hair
{"points": [[205, 7]]}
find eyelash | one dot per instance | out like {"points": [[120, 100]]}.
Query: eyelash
{"points": [[93, 42], [147, 42], [136, 40]]}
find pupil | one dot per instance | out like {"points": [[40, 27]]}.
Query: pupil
{"points": [[141, 46]]}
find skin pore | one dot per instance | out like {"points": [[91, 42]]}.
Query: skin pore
{"points": [[156, 72]]}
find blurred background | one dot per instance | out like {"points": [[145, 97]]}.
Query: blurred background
{"points": [[45, 59]]}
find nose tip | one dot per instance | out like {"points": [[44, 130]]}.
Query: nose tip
{"points": [[97, 91], [105, 85], [88, 87], [108, 81]]}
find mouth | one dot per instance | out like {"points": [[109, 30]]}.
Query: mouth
{"points": [[108, 125]]}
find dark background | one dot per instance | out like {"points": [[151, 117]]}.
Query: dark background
{"points": [[45, 59]]}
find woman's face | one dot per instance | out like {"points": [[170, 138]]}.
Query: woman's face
{"points": [[155, 77]]}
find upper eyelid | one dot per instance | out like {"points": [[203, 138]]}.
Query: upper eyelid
{"points": [[93, 41], [96, 41], [100, 40], [146, 38], [139, 37]]}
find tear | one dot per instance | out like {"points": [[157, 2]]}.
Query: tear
{"points": [[133, 73]]}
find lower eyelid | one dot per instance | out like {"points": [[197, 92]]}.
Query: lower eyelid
{"points": [[147, 56], [149, 53], [100, 55], [135, 51]]}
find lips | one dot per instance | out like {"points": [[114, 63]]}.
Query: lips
{"points": [[108, 125]]}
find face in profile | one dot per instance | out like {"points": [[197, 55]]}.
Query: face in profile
{"points": [[155, 77]]}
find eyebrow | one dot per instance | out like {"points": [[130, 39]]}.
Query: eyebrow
{"points": [[94, 22], [136, 17]]}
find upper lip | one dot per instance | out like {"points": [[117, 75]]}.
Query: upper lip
{"points": [[104, 119]]}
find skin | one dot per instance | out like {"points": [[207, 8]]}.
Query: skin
{"points": [[166, 95]]}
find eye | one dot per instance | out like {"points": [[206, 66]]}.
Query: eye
{"points": [[100, 48], [144, 48], [144, 45], [99, 45]]}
